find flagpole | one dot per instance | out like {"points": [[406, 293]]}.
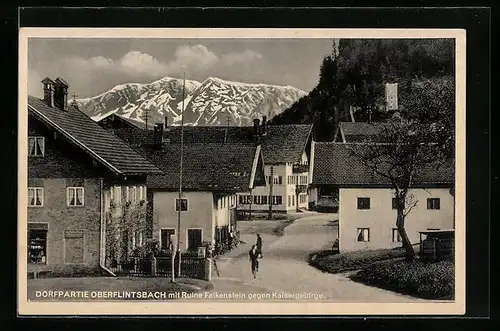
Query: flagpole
{"points": [[180, 177]]}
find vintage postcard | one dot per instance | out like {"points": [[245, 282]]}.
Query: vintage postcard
{"points": [[241, 171]]}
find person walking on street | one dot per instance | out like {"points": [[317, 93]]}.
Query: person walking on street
{"points": [[259, 244], [254, 259]]}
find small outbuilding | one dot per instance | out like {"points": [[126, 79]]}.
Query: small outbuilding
{"points": [[437, 245]]}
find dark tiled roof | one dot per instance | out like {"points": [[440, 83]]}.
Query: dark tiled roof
{"points": [[133, 123], [282, 143], [334, 164], [360, 131], [103, 146], [206, 166]]}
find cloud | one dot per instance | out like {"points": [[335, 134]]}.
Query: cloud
{"points": [[246, 56], [87, 74]]}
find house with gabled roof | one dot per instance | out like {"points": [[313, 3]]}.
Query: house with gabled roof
{"points": [[350, 132], [81, 181], [286, 150], [212, 175], [367, 211], [115, 121]]}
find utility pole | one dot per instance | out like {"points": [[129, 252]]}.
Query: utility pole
{"points": [[146, 116], [180, 179], [271, 183]]}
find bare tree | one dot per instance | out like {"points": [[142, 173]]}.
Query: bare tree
{"points": [[416, 141]]}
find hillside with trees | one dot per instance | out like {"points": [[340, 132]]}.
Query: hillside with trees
{"points": [[355, 76]]}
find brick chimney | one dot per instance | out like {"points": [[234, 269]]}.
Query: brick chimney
{"points": [[48, 91], [256, 127], [158, 135], [264, 125], [61, 94]]}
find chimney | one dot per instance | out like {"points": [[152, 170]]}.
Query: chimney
{"points": [[48, 91], [158, 135], [61, 94], [256, 127], [264, 125]]}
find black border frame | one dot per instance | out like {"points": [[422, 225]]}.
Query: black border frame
{"points": [[477, 22]]}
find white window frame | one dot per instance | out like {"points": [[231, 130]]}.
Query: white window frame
{"points": [[368, 235], [133, 194], [35, 189], [432, 204], [118, 195], [187, 236], [160, 241], [127, 194], [36, 139], [396, 235], [180, 205], [68, 189]]}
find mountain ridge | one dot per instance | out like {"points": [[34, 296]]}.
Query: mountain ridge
{"points": [[213, 101]]}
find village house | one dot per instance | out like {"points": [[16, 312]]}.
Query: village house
{"points": [[350, 132], [367, 213], [286, 150], [82, 180], [115, 121], [212, 175]]}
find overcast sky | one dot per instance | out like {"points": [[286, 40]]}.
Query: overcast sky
{"points": [[93, 66]]}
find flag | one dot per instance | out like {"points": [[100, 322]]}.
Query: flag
{"points": [[391, 96]]}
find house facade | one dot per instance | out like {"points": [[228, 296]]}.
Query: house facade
{"points": [[367, 213], [212, 175], [286, 151], [75, 168]]}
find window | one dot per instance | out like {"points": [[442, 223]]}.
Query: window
{"points": [[37, 243], [35, 196], [194, 239], [184, 204], [433, 203], [36, 146], [127, 194], [363, 203], [257, 199], [289, 200], [303, 180], [394, 204], [363, 234], [264, 199], [139, 239], [277, 200], [167, 239], [280, 180], [293, 200], [75, 196], [134, 234], [133, 195], [74, 249], [142, 192], [302, 198], [118, 195], [396, 237]]}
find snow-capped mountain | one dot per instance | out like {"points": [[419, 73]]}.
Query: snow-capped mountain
{"points": [[211, 102]]}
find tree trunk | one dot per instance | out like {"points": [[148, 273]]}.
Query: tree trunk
{"points": [[400, 224]]}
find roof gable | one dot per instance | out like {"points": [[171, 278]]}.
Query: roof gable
{"points": [[103, 146], [206, 166], [335, 165], [282, 143]]}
